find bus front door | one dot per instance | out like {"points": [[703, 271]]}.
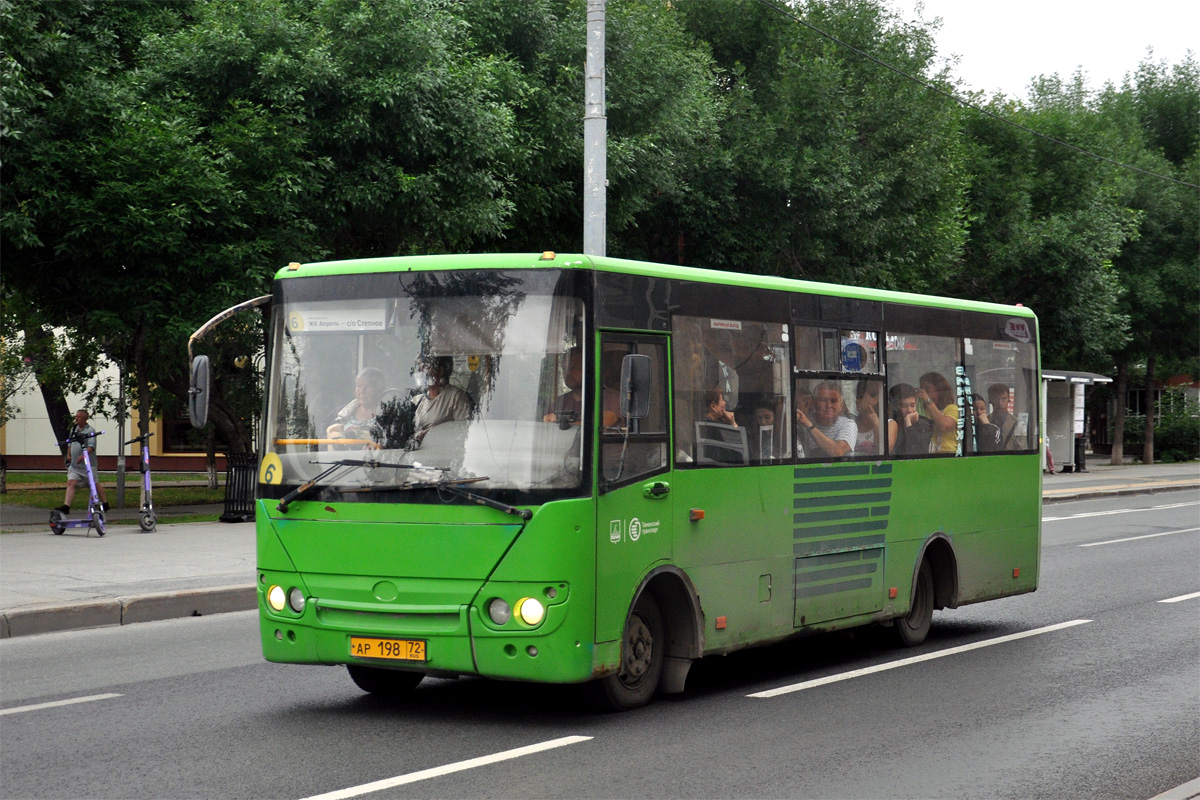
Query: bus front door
{"points": [[634, 506]]}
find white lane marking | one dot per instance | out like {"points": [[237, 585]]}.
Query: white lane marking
{"points": [[435, 772], [1144, 536], [56, 703], [1117, 511], [904, 662], [1186, 791], [1181, 598]]}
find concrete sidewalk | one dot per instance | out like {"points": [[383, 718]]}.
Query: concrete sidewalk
{"points": [[79, 580]]}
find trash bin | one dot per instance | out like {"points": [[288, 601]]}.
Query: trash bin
{"points": [[239, 487]]}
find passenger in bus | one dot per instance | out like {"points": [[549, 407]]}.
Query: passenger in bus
{"points": [[909, 434], [827, 431], [764, 421], [442, 401], [998, 396], [714, 403], [357, 419], [867, 418], [987, 435], [938, 398], [569, 404]]}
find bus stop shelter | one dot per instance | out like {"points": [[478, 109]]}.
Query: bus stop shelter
{"points": [[1063, 422]]}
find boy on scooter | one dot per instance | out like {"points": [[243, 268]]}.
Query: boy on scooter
{"points": [[76, 472]]}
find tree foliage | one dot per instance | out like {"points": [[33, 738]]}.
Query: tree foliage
{"points": [[163, 158]]}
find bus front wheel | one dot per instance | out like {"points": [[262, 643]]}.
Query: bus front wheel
{"points": [[642, 649], [389, 682], [913, 627]]}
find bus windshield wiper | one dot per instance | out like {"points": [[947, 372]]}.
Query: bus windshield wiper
{"points": [[295, 494], [452, 486]]}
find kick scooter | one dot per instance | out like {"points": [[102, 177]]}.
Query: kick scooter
{"points": [[95, 511], [148, 519]]}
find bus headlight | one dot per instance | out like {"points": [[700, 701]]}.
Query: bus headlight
{"points": [[499, 611], [276, 598], [530, 611], [296, 599]]}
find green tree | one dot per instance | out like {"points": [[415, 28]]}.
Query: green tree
{"points": [[1159, 269], [1046, 220], [837, 168]]}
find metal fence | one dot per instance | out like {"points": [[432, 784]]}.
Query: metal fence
{"points": [[239, 487]]}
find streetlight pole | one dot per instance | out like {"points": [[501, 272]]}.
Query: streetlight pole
{"points": [[595, 132]]}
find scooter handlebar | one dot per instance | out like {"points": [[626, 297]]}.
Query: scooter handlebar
{"points": [[142, 438], [79, 437]]}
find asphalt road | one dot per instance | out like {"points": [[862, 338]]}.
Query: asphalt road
{"points": [[1099, 697]]}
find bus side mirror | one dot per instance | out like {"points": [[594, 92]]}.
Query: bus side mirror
{"points": [[635, 386], [198, 392]]}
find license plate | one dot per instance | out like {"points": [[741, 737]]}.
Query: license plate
{"points": [[392, 649]]}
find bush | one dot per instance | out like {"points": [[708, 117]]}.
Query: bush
{"points": [[1177, 434]]}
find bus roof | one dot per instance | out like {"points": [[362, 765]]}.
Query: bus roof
{"points": [[551, 260]]}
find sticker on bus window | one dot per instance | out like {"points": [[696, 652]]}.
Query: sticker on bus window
{"points": [[725, 324], [1019, 329]]}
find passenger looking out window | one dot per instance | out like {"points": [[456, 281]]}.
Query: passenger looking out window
{"points": [[714, 401], [357, 419], [826, 432], [939, 405], [909, 434], [867, 418], [987, 435], [998, 397]]}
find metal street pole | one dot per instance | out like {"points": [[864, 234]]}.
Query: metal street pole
{"points": [[121, 435], [595, 132]]}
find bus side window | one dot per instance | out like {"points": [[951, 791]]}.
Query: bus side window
{"points": [[732, 391]]}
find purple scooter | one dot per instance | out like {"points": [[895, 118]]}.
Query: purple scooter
{"points": [[95, 511], [147, 520]]}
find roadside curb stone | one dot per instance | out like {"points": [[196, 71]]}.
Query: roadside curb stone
{"points": [[53, 618]]}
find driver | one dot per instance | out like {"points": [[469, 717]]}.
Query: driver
{"points": [[442, 401]]}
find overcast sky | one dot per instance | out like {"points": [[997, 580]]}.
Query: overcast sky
{"points": [[1003, 45]]}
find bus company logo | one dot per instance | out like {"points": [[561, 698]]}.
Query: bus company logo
{"points": [[618, 531], [1018, 329]]}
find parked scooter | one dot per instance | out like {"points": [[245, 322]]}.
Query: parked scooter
{"points": [[95, 510], [147, 520]]}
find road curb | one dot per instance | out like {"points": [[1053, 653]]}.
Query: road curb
{"points": [[1087, 494], [126, 610]]}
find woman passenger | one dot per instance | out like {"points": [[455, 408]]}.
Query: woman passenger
{"points": [[942, 411]]}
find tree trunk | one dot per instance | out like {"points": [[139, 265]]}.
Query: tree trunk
{"points": [[1120, 390], [1151, 415], [57, 409]]}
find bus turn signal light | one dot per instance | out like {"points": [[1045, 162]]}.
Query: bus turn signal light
{"points": [[696, 515], [1016, 572]]}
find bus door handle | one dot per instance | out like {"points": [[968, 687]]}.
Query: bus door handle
{"points": [[656, 489]]}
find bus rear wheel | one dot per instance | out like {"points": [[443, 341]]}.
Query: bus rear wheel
{"points": [[642, 650], [912, 628], [386, 682]]}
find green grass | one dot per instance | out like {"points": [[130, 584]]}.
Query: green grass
{"points": [[132, 478], [164, 496]]}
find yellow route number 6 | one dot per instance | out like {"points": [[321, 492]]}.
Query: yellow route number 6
{"points": [[270, 471]]}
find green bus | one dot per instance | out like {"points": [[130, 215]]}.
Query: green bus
{"points": [[571, 469]]}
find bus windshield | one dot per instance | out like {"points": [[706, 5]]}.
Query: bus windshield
{"points": [[424, 379]]}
